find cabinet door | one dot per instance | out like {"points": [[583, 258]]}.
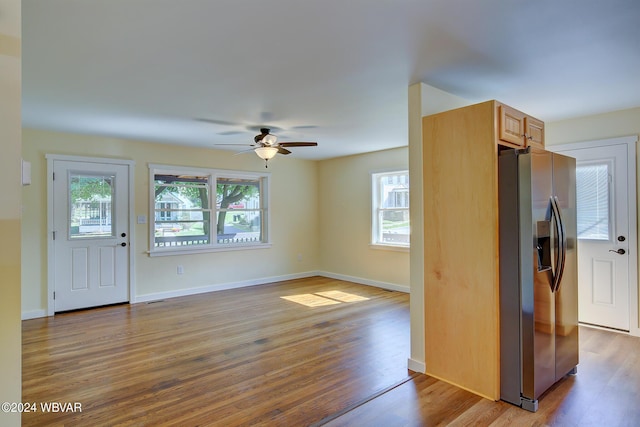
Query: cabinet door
{"points": [[511, 128], [534, 132]]}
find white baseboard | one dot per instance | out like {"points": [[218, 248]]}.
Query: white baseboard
{"points": [[33, 314], [417, 366], [220, 287], [234, 285], [361, 281], [635, 332]]}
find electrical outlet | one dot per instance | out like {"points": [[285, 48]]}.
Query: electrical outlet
{"points": [[180, 269], [299, 257]]}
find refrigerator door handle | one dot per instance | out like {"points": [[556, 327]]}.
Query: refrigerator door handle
{"points": [[556, 245], [562, 244]]}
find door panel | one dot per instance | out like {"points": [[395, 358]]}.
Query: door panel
{"points": [[602, 211], [603, 284], [79, 268], [90, 213], [107, 266]]}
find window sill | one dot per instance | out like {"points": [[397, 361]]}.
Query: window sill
{"points": [[219, 248], [393, 248]]}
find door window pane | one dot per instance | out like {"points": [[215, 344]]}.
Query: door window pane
{"points": [[593, 201], [91, 207]]}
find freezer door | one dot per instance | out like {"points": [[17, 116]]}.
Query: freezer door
{"points": [[566, 297]]}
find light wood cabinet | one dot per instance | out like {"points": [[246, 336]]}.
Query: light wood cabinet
{"points": [[461, 235], [511, 127], [534, 132], [517, 129]]}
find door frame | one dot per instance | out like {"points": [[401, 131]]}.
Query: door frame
{"points": [[630, 142], [130, 164]]}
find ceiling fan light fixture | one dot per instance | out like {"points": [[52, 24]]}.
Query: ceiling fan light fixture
{"points": [[266, 153], [270, 139]]}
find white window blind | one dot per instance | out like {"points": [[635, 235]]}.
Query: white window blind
{"points": [[593, 201]]}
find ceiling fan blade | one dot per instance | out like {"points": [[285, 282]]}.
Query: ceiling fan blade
{"points": [[239, 145], [304, 127], [282, 150], [298, 144], [230, 132], [217, 122]]}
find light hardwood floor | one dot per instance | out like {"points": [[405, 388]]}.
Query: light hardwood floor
{"points": [[237, 357], [249, 357], [605, 392]]}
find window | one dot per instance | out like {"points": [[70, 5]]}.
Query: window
{"points": [[593, 201], [197, 210], [390, 209], [91, 208]]}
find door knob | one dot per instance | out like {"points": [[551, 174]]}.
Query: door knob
{"points": [[619, 251], [123, 244]]}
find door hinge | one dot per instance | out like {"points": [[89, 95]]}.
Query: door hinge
{"points": [[54, 235], [54, 294], [54, 176]]}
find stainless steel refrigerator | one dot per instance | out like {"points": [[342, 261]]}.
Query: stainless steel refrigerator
{"points": [[538, 273]]}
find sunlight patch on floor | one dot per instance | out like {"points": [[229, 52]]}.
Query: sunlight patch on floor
{"points": [[342, 296], [324, 298]]}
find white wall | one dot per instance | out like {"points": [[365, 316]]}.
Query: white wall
{"points": [[320, 220], [10, 207], [345, 220], [294, 219], [599, 126]]}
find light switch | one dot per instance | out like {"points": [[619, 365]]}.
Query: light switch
{"points": [[26, 173]]}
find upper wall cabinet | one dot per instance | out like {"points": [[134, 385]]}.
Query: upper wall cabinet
{"points": [[534, 132], [518, 130], [511, 127]]}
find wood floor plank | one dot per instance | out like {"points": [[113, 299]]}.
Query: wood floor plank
{"points": [[605, 392], [248, 357], [238, 357]]}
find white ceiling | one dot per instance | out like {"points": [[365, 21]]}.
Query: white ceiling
{"points": [[332, 71]]}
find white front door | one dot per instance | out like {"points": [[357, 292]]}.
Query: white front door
{"points": [[603, 236], [90, 235]]}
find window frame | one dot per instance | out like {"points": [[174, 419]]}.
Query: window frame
{"points": [[213, 175], [376, 208]]}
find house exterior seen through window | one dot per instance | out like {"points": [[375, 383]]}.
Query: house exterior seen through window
{"points": [[390, 208], [203, 210], [91, 209]]}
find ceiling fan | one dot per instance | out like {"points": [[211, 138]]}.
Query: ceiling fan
{"points": [[266, 145]]}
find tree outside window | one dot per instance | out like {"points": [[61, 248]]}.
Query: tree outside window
{"points": [[185, 213]]}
